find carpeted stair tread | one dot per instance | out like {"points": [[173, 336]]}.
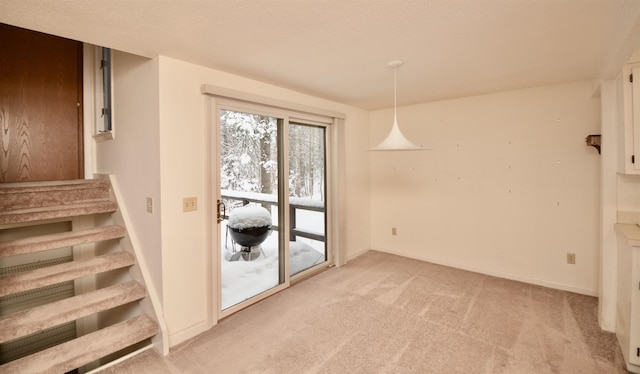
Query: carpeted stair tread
{"points": [[18, 187], [32, 279], [59, 240], [39, 203], [85, 349], [39, 194], [58, 211], [31, 321]]}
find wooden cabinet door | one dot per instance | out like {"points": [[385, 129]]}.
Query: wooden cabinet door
{"points": [[40, 107]]}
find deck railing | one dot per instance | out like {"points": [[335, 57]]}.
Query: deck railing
{"points": [[268, 200]]}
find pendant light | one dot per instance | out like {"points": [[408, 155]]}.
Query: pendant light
{"points": [[395, 140]]}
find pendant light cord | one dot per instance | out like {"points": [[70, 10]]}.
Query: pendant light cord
{"points": [[395, 92], [394, 65]]}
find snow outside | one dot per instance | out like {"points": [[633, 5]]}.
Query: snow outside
{"points": [[249, 170]]}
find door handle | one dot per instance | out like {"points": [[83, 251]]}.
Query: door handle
{"points": [[224, 211]]}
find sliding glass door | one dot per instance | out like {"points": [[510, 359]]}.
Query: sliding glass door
{"points": [[273, 193]]}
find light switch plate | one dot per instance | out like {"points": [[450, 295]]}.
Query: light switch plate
{"points": [[189, 204]]}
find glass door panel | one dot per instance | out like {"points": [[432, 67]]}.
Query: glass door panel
{"points": [[307, 197], [251, 260]]}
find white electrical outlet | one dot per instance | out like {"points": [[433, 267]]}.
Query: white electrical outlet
{"points": [[571, 258], [394, 232], [149, 205]]}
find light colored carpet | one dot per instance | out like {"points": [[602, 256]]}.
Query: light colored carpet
{"points": [[388, 314]]}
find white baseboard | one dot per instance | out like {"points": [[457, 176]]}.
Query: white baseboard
{"points": [[188, 333], [354, 255], [500, 274]]}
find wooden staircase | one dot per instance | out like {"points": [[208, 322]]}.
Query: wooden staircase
{"points": [[121, 325]]}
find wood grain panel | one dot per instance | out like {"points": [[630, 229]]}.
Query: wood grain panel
{"points": [[40, 106]]}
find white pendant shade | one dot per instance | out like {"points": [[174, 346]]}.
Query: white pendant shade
{"points": [[395, 140]]}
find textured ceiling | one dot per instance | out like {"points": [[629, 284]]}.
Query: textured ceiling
{"points": [[339, 49]]}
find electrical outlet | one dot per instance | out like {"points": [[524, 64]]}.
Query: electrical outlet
{"points": [[571, 258], [394, 232], [149, 205], [189, 204]]}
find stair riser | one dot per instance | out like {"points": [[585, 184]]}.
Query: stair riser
{"points": [[35, 199]]}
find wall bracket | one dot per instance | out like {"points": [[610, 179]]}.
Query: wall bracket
{"points": [[593, 141]]}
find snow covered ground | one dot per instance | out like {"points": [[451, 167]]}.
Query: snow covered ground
{"points": [[242, 280]]}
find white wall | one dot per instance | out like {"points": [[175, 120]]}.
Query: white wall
{"points": [[133, 155], [509, 188], [187, 285]]}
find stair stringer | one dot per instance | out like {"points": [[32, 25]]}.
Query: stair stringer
{"points": [[85, 285], [150, 305]]}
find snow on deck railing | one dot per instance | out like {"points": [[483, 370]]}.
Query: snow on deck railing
{"points": [[257, 197], [294, 203]]}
